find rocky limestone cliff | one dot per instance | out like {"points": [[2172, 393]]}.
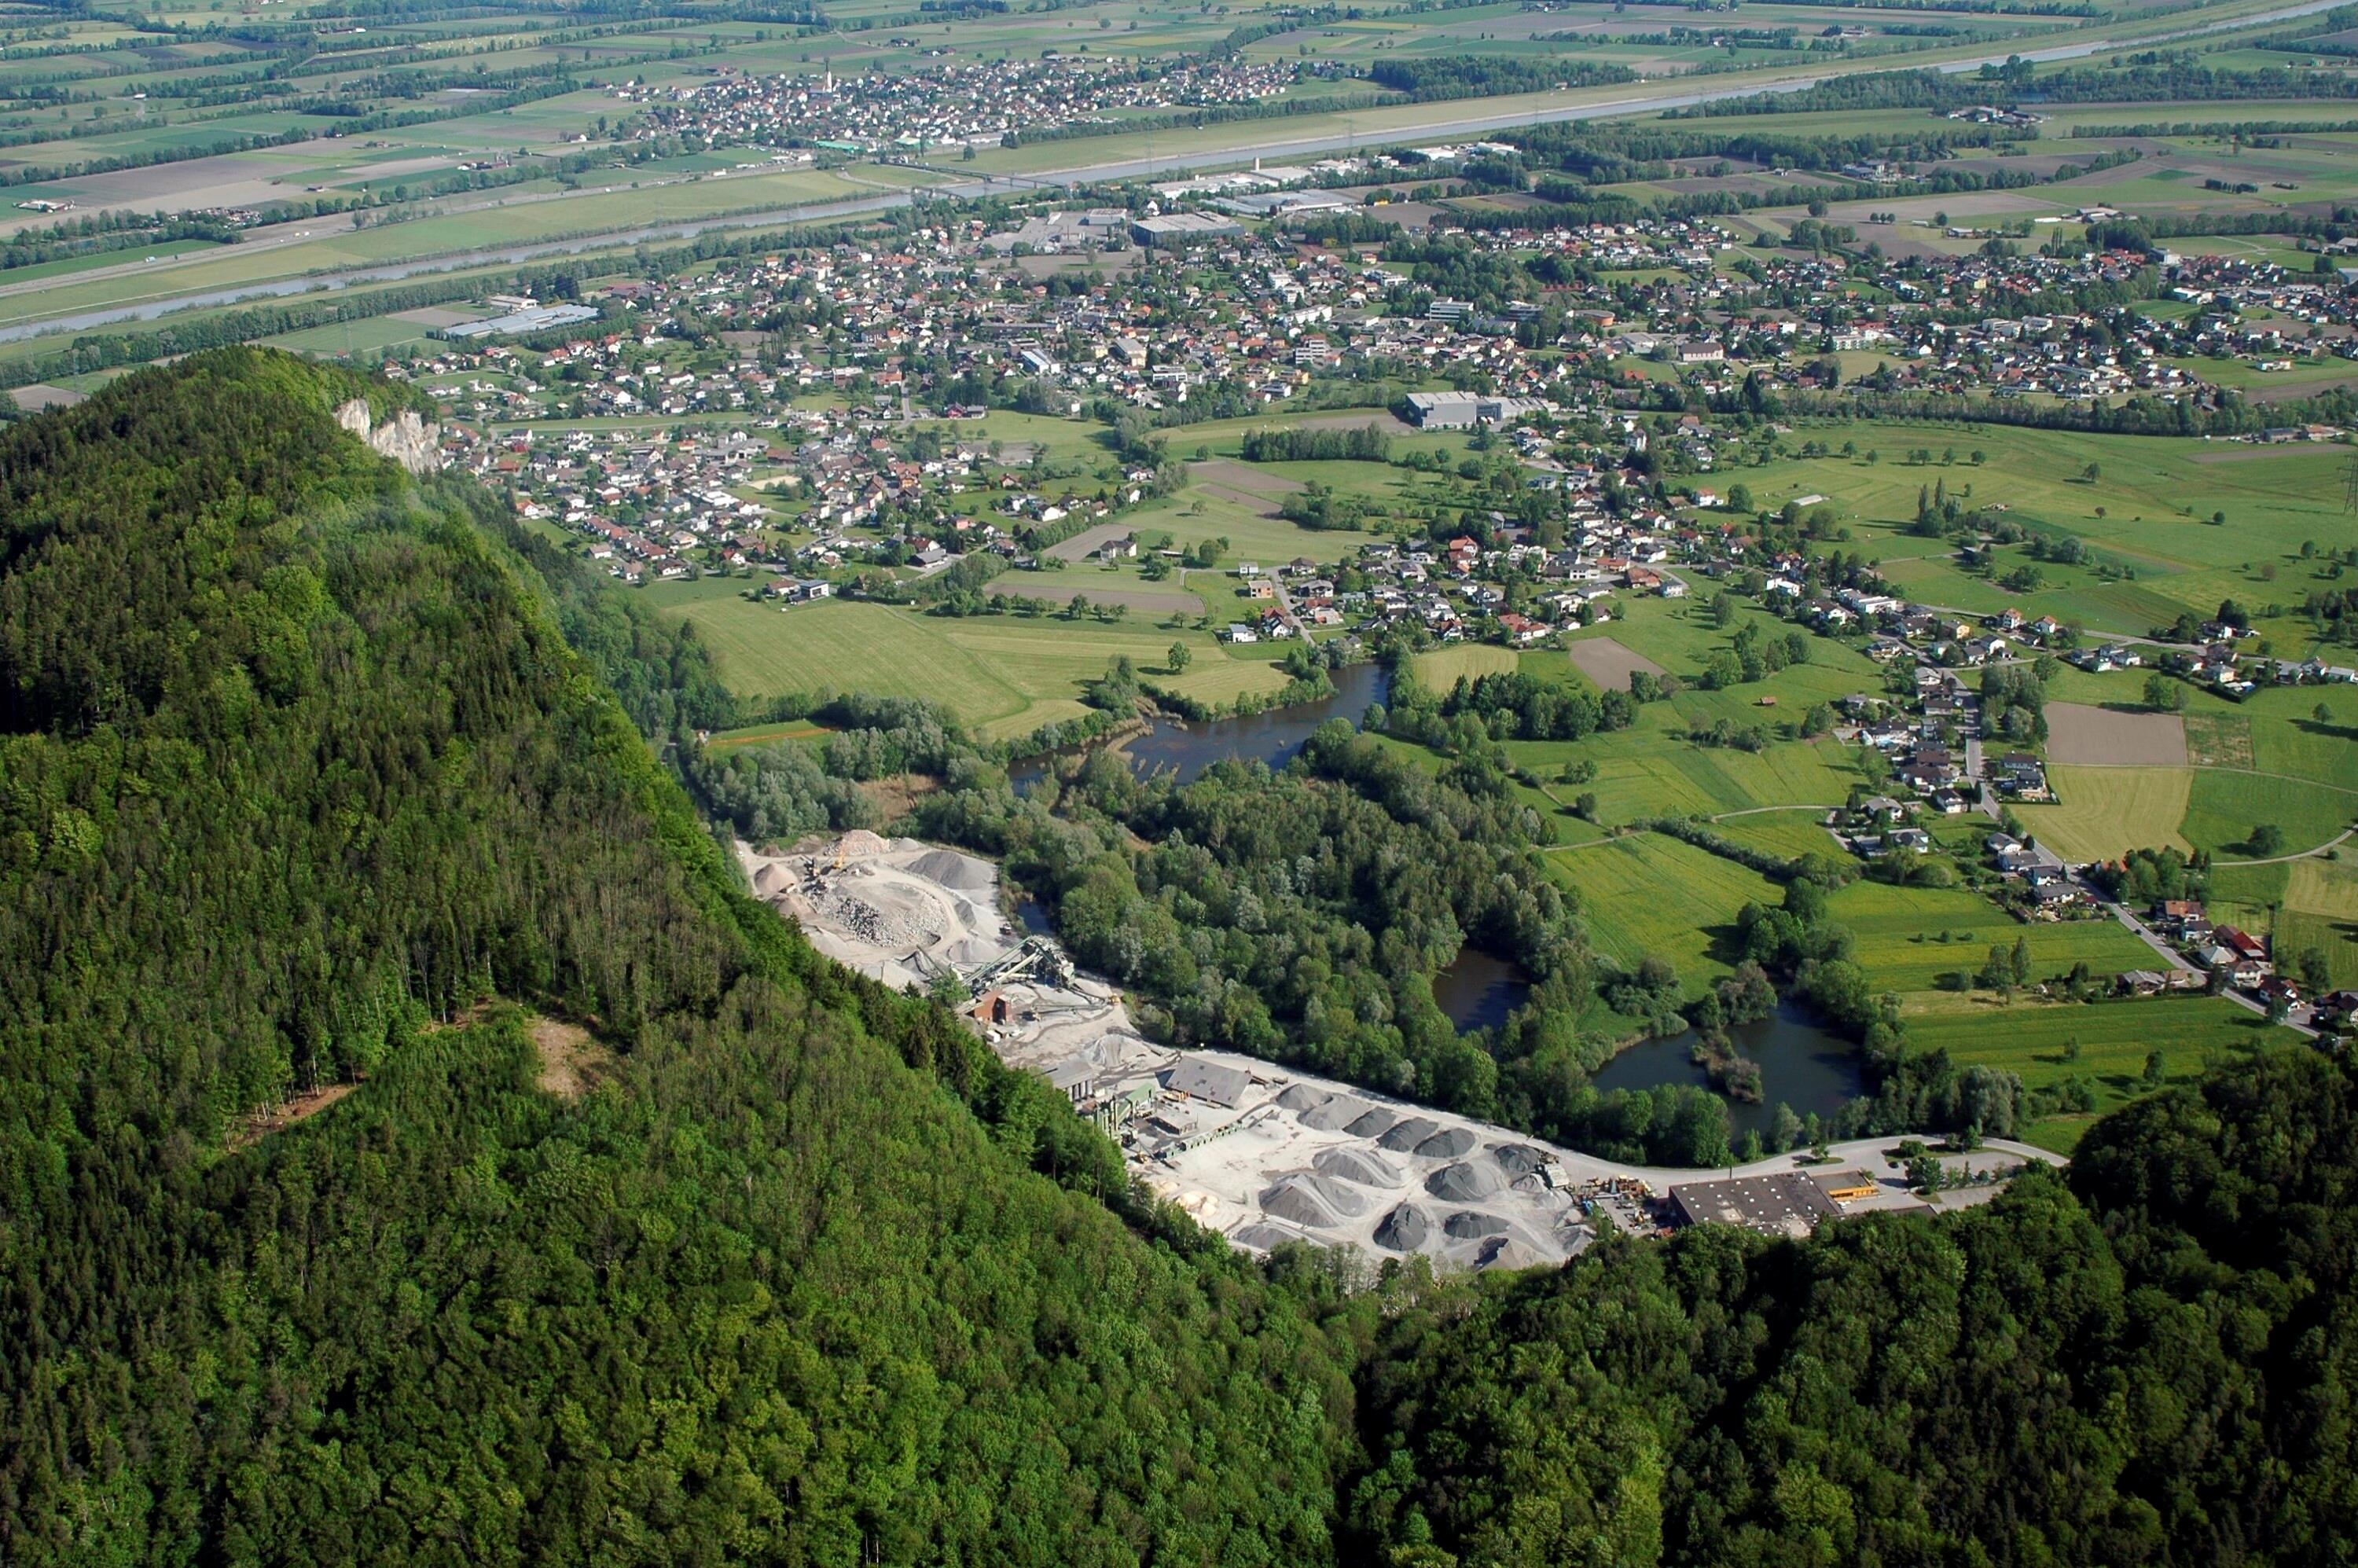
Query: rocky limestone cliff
{"points": [[405, 438]]}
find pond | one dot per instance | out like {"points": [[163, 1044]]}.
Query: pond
{"points": [[1478, 991], [1802, 1064], [1185, 749]]}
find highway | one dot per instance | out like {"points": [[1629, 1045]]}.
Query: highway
{"points": [[1450, 121]]}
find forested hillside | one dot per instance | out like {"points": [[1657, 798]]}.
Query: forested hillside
{"points": [[2156, 1370], [302, 786], [295, 770]]}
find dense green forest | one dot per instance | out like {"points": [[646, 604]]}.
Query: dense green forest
{"points": [[298, 768], [316, 775]]}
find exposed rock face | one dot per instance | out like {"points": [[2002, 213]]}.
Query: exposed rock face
{"points": [[405, 438]]}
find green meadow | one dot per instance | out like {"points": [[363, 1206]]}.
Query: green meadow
{"points": [[1003, 675], [2146, 518]]}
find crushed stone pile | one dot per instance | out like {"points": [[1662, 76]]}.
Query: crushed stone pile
{"points": [[1319, 1202], [861, 845], [1359, 1165], [1447, 1144], [1334, 1115], [951, 869], [1407, 1134], [1404, 1229], [1504, 1252], [1466, 1182], [1517, 1159], [877, 928], [1468, 1224]]}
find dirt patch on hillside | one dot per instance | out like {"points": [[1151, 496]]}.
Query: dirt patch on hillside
{"points": [[571, 1062], [1608, 663], [33, 399], [2080, 736], [257, 1125], [894, 797]]}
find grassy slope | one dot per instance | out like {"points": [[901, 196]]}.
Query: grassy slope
{"points": [[2157, 494], [1649, 896]]}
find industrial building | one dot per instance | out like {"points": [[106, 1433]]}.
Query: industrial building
{"points": [[1846, 1187], [1175, 230], [1785, 1203], [536, 319], [1212, 1082], [1464, 410]]}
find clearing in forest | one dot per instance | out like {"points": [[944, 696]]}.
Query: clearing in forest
{"points": [[571, 1062], [257, 1125]]}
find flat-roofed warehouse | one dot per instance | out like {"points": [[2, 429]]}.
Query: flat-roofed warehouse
{"points": [[533, 318], [1787, 1203], [1176, 229]]}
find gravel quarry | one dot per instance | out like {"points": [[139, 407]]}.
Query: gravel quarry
{"points": [[1262, 1154], [1256, 1151]]}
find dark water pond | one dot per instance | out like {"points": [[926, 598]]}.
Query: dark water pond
{"points": [[1801, 1064], [1478, 991], [1185, 749]]}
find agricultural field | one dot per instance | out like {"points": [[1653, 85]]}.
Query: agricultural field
{"points": [[1915, 940], [2296, 905], [2106, 1044], [1441, 668], [1002, 676], [2100, 814], [1789, 831], [2268, 759]]}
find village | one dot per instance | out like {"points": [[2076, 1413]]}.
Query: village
{"points": [[943, 109]]}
